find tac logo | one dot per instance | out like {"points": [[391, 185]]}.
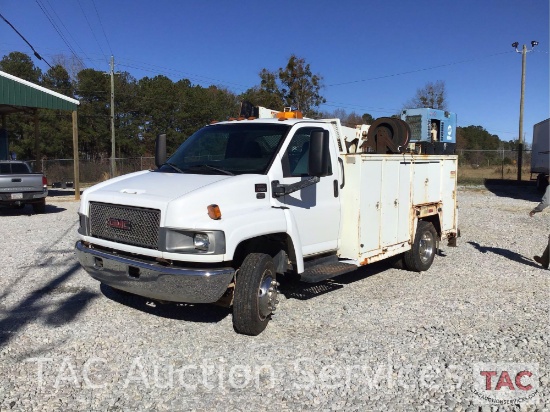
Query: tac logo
{"points": [[119, 223], [505, 383]]}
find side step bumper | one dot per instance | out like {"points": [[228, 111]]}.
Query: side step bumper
{"points": [[325, 271]]}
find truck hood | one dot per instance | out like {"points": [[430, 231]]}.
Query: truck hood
{"points": [[183, 199], [148, 189]]}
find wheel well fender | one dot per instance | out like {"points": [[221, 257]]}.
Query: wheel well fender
{"points": [[277, 245], [435, 220]]}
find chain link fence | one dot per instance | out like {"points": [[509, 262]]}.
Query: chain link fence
{"points": [[474, 166]]}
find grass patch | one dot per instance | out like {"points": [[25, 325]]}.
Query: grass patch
{"points": [[468, 175]]}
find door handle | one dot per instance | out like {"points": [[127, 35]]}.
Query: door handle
{"points": [[343, 173]]}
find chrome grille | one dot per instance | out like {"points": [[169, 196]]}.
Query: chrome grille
{"points": [[140, 226]]}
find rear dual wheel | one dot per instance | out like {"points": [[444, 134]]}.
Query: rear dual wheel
{"points": [[424, 248]]}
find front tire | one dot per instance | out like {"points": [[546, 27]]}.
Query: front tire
{"points": [[255, 294], [422, 253]]}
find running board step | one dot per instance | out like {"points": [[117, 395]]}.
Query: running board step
{"points": [[325, 271]]}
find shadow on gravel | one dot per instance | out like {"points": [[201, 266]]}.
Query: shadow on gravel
{"points": [[523, 190], [31, 309], [294, 289], [516, 257], [200, 313], [27, 210]]}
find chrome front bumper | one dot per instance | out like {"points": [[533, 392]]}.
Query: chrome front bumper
{"points": [[155, 281]]}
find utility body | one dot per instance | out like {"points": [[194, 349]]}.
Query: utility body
{"points": [[243, 202]]}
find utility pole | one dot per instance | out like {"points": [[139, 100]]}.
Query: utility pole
{"points": [[113, 151], [523, 64], [521, 100]]}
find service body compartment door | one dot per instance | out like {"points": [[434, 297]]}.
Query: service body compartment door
{"points": [[389, 203], [392, 216], [426, 182], [370, 204], [404, 227], [448, 194]]}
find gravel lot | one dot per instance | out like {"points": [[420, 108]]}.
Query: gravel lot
{"points": [[377, 339]]}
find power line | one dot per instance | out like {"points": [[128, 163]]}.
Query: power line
{"points": [[72, 38], [26, 41], [102, 28], [352, 107], [92, 30], [172, 72], [58, 31], [149, 67], [417, 70]]}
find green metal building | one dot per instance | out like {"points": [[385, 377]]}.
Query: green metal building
{"points": [[18, 95]]}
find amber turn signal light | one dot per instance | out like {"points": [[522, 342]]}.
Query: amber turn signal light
{"points": [[214, 212]]}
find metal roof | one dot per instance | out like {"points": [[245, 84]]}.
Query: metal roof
{"points": [[16, 93]]}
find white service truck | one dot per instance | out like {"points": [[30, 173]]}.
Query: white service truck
{"points": [[540, 153], [243, 202]]}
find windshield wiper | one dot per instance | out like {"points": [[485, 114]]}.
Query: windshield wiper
{"points": [[173, 166], [226, 172]]}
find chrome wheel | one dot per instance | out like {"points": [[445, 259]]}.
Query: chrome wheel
{"points": [[427, 247], [267, 295], [422, 253]]}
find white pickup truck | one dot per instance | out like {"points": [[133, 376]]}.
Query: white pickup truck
{"points": [[242, 202]]}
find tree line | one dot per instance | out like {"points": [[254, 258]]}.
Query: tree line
{"points": [[149, 106]]}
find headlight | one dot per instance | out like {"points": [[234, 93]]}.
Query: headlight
{"points": [[189, 241], [201, 241]]}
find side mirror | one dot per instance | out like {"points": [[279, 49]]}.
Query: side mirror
{"points": [[160, 150], [319, 153]]}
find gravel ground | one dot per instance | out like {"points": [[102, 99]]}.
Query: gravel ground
{"points": [[377, 339]]}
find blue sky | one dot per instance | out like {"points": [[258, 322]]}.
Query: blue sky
{"points": [[373, 55]]}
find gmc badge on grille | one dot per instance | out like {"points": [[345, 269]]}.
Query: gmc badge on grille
{"points": [[119, 223]]}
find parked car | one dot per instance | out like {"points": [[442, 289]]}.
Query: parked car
{"points": [[20, 186]]}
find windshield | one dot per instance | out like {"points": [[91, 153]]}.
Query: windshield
{"points": [[231, 149]]}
